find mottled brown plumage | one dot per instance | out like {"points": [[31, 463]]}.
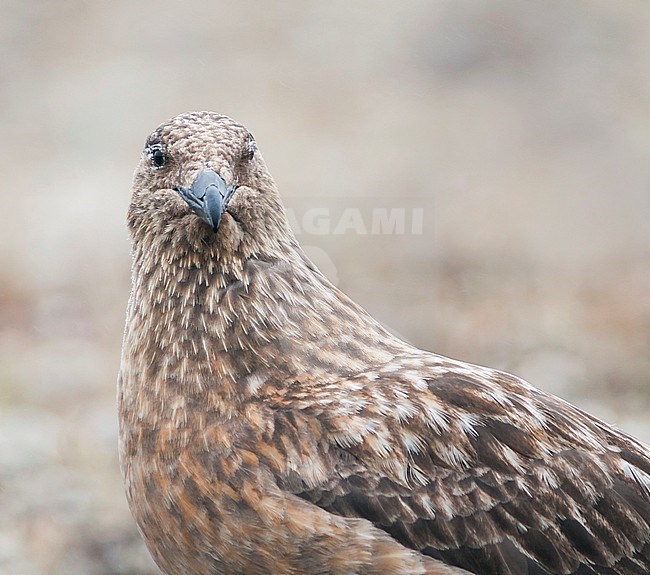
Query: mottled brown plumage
{"points": [[269, 425]]}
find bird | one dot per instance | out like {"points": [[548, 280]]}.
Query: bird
{"points": [[269, 425]]}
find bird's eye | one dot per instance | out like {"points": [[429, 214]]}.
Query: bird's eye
{"points": [[157, 156]]}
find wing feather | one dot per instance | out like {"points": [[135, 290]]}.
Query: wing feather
{"points": [[501, 479]]}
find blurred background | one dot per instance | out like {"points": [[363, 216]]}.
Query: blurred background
{"points": [[509, 141]]}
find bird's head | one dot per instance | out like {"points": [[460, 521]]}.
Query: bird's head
{"points": [[201, 180]]}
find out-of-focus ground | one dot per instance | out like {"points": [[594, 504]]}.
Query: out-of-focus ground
{"points": [[519, 130]]}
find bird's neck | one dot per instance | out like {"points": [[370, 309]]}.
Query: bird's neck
{"points": [[245, 326]]}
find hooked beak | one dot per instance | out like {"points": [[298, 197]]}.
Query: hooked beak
{"points": [[208, 197]]}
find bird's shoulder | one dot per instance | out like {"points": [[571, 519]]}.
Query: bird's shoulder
{"points": [[466, 463]]}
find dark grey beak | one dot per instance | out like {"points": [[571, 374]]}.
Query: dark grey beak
{"points": [[208, 197]]}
